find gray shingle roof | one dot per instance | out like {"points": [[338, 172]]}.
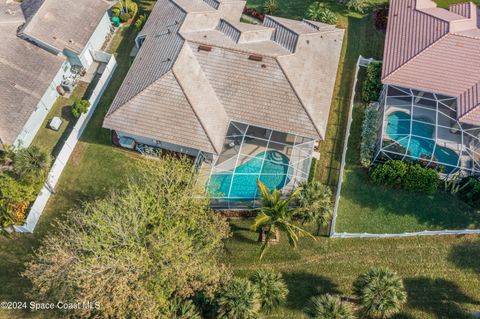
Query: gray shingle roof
{"points": [[64, 23], [25, 73], [287, 90]]}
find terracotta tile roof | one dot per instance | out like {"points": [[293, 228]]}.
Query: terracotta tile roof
{"points": [[211, 62], [435, 50]]}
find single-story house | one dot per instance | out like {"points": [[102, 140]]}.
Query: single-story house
{"points": [[251, 100], [41, 41], [430, 104]]}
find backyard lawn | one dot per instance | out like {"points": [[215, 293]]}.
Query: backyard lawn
{"points": [[440, 273], [48, 139]]}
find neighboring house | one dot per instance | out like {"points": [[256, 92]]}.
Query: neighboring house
{"points": [[250, 99], [40, 41], [431, 75]]}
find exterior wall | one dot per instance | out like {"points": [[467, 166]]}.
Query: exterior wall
{"points": [[40, 44], [163, 145], [96, 41], [35, 121]]}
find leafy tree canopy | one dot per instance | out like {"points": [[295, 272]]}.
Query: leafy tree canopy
{"points": [[137, 250]]}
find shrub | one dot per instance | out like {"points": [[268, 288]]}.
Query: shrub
{"points": [[313, 170], [380, 292], [270, 6], [357, 5], [372, 85], [390, 173], [239, 299], [271, 289], [31, 164], [124, 17], [421, 179], [15, 198], [79, 107], [181, 309], [140, 22], [332, 307], [380, 17], [319, 12], [116, 11], [370, 127], [469, 191]]}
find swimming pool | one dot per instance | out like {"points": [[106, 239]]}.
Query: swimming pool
{"points": [[241, 183], [421, 143]]}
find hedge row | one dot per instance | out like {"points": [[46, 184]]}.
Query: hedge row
{"points": [[370, 128], [409, 177]]}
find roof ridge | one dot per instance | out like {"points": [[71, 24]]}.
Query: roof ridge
{"points": [[194, 112], [415, 56], [238, 50], [300, 100]]}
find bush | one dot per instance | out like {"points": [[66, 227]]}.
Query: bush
{"points": [[140, 22], [357, 5], [313, 170], [79, 107], [118, 8], [317, 11], [116, 11], [390, 173], [15, 197], [380, 17], [421, 179], [372, 85], [271, 289], [328, 306], [370, 127], [31, 164], [239, 299], [380, 292], [270, 6], [469, 191], [124, 17]]}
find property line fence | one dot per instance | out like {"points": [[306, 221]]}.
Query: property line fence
{"points": [[61, 160], [364, 62], [360, 62]]}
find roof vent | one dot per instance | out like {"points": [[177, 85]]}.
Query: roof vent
{"points": [[255, 57], [202, 47]]}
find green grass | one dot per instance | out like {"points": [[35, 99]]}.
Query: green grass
{"points": [[440, 273], [365, 207], [50, 140]]}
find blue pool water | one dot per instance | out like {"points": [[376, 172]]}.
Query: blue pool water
{"points": [[422, 144], [243, 180]]}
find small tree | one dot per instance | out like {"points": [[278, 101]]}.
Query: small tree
{"points": [[357, 5], [271, 288], [380, 292], [330, 307], [79, 107], [390, 173], [31, 164], [317, 11], [316, 204], [239, 299], [180, 309], [140, 22], [270, 6], [275, 215]]}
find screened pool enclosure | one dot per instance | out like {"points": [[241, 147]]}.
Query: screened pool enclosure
{"points": [[250, 153], [423, 127]]}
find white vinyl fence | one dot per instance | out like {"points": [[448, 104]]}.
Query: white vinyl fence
{"points": [[53, 176]]}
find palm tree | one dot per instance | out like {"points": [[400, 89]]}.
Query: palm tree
{"points": [[380, 292], [180, 309], [271, 288], [316, 203], [31, 162], [330, 307], [239, 299], [276, 215]]}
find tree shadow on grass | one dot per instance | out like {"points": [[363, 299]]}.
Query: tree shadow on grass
{"points": [[439, 297], [303, 286], [466, 256], [243, 234]]}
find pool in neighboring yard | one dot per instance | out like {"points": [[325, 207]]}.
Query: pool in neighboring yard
{"points": [[421, 143], [241, 183]]}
